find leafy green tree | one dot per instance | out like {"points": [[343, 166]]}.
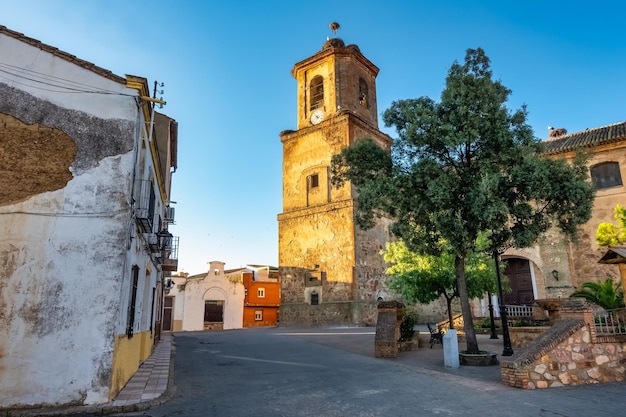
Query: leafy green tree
{"points": [[426, 278], [609, 234], [462, 167], [606, 294]]}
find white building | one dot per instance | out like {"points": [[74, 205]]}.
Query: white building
{"points": [[84, 191], [208, 301]]}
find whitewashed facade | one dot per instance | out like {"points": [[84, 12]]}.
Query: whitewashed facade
{"points": [[197, 297], [80, 277]]}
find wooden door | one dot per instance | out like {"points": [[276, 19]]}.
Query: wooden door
{"points": [[167, 314], [520, 282]]}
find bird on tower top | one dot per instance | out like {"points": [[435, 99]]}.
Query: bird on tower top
{"points": [[334, 26]]}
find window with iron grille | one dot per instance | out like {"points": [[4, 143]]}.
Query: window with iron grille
{"points": [[133, 299], [152, 203], [606, 175]]}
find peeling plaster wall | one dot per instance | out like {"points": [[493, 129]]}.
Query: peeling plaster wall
{"points": [[63, 256]]}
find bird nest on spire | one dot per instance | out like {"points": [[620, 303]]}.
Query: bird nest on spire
{"points": [[333, 43]]}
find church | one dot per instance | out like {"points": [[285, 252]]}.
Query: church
{"points": [[331, 271]]}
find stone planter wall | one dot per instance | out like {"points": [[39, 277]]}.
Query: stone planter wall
{"points": [[565, 354], [522, 336]]}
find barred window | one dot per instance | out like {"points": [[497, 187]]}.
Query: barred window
{"points": [[606, 175]]}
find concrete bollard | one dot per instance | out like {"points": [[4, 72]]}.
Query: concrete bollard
{"points": [[451, 349]]}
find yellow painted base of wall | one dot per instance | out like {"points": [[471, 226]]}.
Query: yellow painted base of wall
{"points": [[128, 355]]}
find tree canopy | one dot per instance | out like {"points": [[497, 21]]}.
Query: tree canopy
{"points": [[463, 166], [425, 278]]}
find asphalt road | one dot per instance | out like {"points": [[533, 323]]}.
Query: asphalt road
{"points": [[280, 372]]}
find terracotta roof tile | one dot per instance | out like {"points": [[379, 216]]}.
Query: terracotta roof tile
{"points": [[586, 138]]}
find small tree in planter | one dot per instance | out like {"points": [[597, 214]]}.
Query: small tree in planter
{"points": [[407, 327]]}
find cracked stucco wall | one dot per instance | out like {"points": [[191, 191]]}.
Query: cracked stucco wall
{"points": [[66, 165]]}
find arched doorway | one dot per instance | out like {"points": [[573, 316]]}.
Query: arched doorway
{"points": [[520, 281]]}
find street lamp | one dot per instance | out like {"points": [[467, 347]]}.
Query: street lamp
{"points": [[165, 239], [508, 350], [169, 284], [491, 322]]}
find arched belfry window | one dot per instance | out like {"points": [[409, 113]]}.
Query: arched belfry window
{"points": [[363, 93], [606, 175], [316, 93]]}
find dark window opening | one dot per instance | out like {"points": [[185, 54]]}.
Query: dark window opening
{"points": [[316, 93], [314, 181], [606, 175], [213, 311], [151, 204], [363, 92], [133, 299], [315, 299]]}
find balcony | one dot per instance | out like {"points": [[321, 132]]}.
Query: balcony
{"points": [[169, 253]]}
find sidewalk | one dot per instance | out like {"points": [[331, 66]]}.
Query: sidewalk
{"points": [[151, 379], [150, 386]]}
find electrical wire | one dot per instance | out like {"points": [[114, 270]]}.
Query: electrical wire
{"points": [[100, 214], [58, 84]]}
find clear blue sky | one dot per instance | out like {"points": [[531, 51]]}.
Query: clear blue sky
{"points": [[227, 66]]}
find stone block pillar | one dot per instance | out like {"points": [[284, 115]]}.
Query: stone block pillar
{"points": [[390, 314]]}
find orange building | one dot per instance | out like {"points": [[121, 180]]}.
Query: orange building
{"points": [[262, 296]]}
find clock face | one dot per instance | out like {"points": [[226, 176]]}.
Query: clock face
{"points": [[317, 116]]}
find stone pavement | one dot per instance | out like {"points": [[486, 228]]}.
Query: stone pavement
{"points": [[152, 384], [361, 341]]}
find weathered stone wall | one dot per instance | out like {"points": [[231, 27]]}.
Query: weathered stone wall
{"points": [[523, 336], [565, 355], [577, 262], [390, 314]]}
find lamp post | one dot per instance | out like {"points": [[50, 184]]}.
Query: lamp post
{"points": [[491, 321], [508, 350]]}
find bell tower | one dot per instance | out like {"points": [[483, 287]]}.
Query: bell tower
{"points": [[332, 272]]}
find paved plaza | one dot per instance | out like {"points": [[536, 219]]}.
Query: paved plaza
{"points": [[333, 372]]}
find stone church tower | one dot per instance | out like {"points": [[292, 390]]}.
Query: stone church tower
{"points": [[332, 272]]}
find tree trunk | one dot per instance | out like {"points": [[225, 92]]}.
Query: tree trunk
{"points": [[468, 322]]}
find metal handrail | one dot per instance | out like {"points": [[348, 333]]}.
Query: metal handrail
{"points": [[610, 322]]}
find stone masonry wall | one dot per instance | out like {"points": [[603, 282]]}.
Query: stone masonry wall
{"points": [[566, 354]]}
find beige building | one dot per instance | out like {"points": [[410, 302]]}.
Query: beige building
{"points": [[331, 271], [555, 267]]}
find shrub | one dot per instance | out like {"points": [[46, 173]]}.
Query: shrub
{"points": [[407, 327]]}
